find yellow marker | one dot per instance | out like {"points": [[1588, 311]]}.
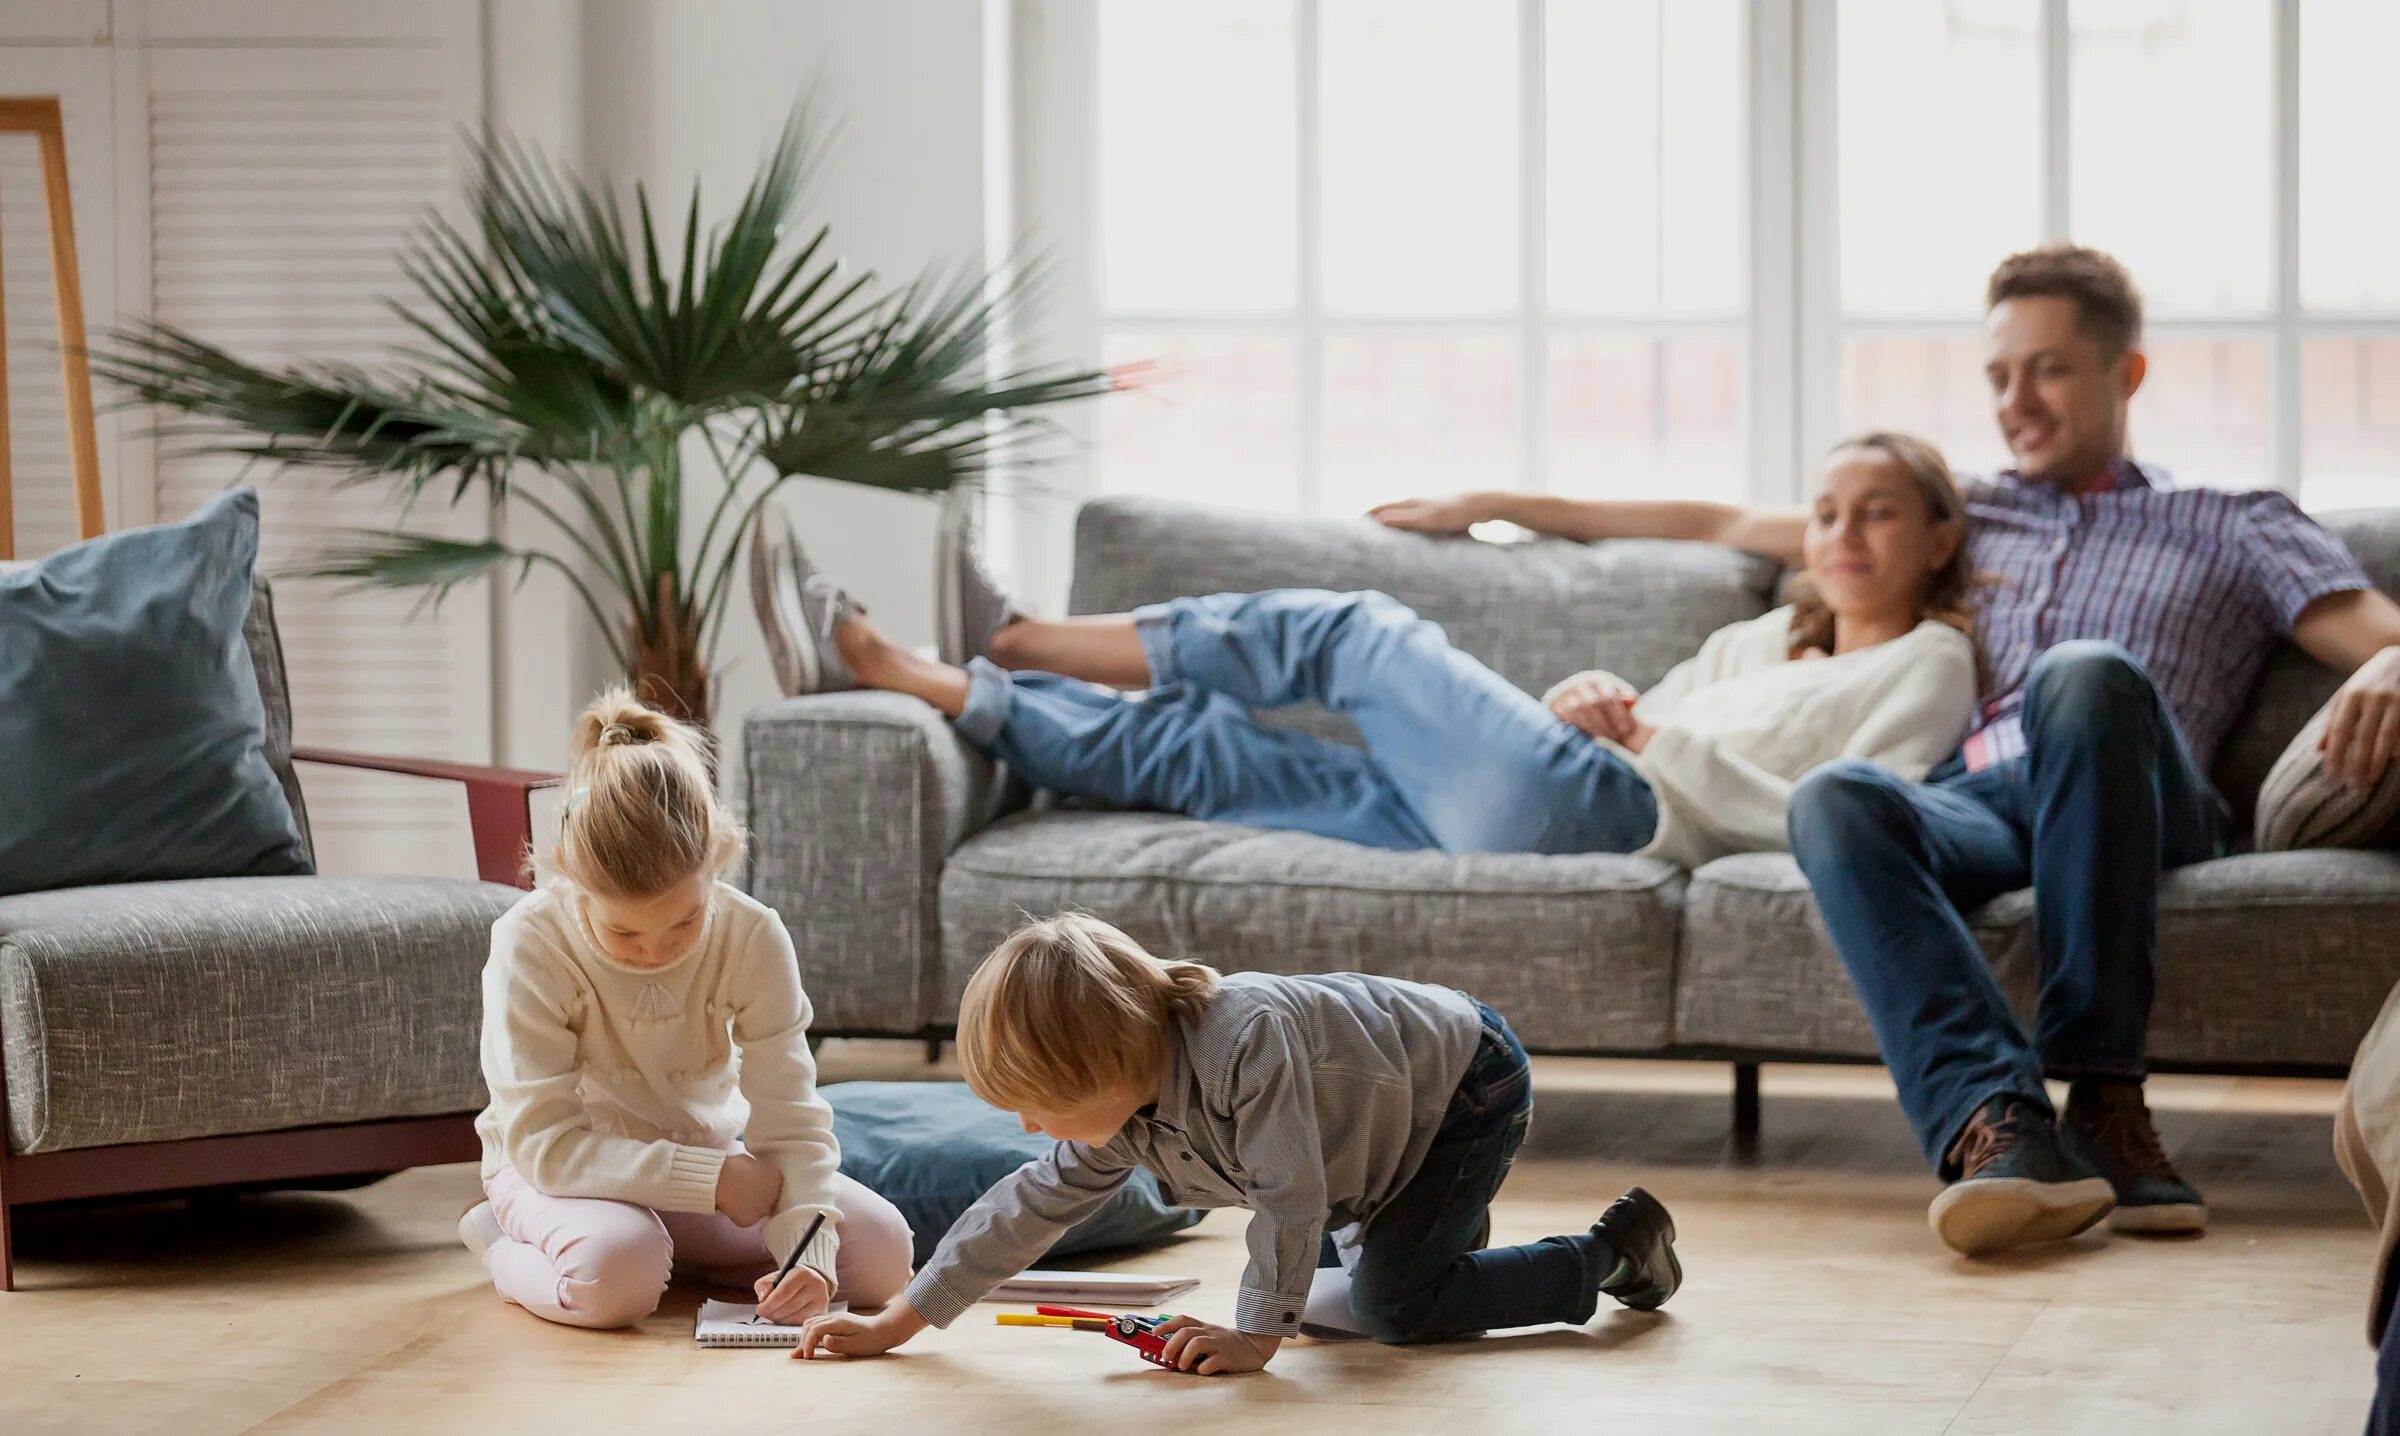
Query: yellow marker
{"points": [[1018, 1318]]}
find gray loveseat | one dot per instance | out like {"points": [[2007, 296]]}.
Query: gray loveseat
{"points": [[899, 856], [229, 1032]]}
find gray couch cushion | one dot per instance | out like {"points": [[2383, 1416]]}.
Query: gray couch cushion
{"points": [[2293, 686], [1578, 951], [1536, 612], [155, 1011], [2273, 958], [131, 712]]}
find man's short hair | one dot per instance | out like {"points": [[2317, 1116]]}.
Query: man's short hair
{"points": [[2107, 306]]}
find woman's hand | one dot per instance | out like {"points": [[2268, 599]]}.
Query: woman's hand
{"points": [[747, 1189], [803, 1294], [1600, 705], [843, 1334], [1194, 1345], [1432, 516]]}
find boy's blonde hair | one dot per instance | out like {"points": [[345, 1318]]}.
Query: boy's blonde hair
{"points": [[642, 813], [1068, 1008]]}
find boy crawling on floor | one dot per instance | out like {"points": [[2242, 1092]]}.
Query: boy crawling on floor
{"points": [[1386, 1112]]}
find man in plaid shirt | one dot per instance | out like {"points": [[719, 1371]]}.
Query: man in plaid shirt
{"points": [[2122, 622]]}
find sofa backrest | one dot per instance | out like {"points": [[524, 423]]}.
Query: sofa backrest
{"points": [[275, 694], [2293, 686], [1536, 612]]}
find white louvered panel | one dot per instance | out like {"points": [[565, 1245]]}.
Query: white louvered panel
{"points": [[282, 186]]}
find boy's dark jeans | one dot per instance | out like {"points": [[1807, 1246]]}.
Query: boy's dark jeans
{"points": [[1419, 1276]]}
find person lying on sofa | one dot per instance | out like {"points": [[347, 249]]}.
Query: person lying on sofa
{"points": [[2124, 621], [1871, 663]]}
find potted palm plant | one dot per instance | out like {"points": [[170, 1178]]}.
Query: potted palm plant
{"points": [[647, 409]]}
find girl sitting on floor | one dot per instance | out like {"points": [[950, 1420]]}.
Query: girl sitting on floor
{"points": [[618, 1143]]}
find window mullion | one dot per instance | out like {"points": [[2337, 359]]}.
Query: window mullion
{"points": [[2057, 61], [1309, 340], [2284, 438], [1533, 246]]}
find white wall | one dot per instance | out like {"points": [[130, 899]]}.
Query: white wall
{"points": [[666, 93]]}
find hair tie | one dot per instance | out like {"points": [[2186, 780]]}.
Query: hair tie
{"points": [[572, 799]]}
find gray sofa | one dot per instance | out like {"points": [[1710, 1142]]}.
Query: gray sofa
{"points": [[226, 1032], [899, 856]]}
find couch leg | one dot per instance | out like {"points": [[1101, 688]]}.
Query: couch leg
{"points": [[8, 1262], [1745, 1101], [933, 1050]]}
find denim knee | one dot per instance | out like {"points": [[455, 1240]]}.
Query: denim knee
{"points": [[1394, 1318], [2088, 686], [1844, 808]]}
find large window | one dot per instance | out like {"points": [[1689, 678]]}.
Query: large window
{"points": [[1621, 247], [1384, 245]]}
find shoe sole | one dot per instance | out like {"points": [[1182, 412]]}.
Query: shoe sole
{"points": [[1651, 1298], [949, 600], [774, 589], [1978, 1218], [2162, 1220]]}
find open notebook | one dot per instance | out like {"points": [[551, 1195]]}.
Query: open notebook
{"points": [[735, 1323]]}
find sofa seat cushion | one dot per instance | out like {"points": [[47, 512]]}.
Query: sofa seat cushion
{"points": [[150, 1012], [2264, 958], [1577, 951]]}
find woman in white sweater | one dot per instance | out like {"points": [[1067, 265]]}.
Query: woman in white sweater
{"points": [[624, 1138], [1154, 708]]}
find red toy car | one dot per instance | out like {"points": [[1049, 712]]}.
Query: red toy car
{"points": [[1141, 1333]]}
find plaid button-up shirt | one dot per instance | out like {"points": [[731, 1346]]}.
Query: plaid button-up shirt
{"points": [[2198, 584]]}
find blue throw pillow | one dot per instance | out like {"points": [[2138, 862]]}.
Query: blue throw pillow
{"points": [[130, 716], [932, 1148]]}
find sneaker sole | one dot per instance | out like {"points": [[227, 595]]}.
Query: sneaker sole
{"points": [[2176, 1219], [791, 649], [1981, 1217], [949, 601]]}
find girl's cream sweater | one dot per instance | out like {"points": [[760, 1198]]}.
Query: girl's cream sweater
{"points": [[625, 1084]]}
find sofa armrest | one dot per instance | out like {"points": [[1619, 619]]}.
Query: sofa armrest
{"points": [[499, 803], [854, 801]]}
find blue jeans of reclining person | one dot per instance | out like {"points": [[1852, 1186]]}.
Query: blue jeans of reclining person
{"points": [[2105, 797], [1456, 758]]}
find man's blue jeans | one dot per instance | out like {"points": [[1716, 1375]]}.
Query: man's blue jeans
{"points": [[1456, 758], [2106, 796]]}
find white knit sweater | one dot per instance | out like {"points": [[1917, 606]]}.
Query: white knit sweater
{"points": [[1741, 721], [621, 1083]]}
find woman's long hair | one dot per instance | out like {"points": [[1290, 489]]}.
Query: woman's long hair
{"points": [[1950, 595]]}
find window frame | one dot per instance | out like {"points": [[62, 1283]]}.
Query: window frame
{"points": [[1791, 324]]}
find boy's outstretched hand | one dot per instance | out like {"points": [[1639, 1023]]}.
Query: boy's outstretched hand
{"points": [[842, 1334], [1194, 1345]]}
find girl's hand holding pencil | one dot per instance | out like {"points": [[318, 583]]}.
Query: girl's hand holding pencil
{"points": [[797, 1297]]}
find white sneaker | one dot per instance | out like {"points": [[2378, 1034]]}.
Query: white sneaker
{"points": [[969, 604], [798, 609], [479, 1228]]}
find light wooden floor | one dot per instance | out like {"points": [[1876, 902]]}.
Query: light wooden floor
{"points": [[1817, 1302]]}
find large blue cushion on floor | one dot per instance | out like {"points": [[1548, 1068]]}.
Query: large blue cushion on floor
{"points": [[932, 1148], [130, 719]]}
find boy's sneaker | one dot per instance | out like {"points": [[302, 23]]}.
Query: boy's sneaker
{"points": [[969, 604], [2018, 1183], [479, 1228], [798, 608], [1636, 1226], [2108, 1125]]}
